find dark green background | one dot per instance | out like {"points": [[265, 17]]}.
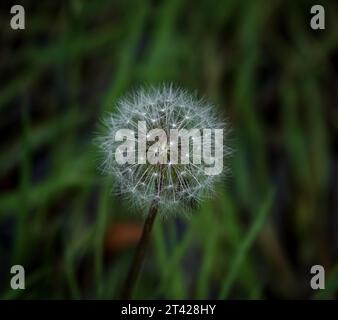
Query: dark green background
{"points": [[268, 73]]}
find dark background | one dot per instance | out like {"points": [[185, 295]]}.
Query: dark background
{"points": [[270, 75]]}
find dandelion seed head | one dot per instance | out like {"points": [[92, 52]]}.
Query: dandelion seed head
{"points": [[175, 187]]}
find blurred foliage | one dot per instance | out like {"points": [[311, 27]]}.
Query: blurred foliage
{"points": [[271, 76]]}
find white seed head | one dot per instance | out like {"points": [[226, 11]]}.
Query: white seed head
{"points": [[175, 186]]}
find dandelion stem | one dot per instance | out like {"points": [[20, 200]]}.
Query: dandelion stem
{"points": [[140, 253]]}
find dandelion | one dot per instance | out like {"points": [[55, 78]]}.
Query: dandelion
{"points": [[162, 172]]}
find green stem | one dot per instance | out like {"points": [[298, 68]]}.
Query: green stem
{"points": [[140, 253]]}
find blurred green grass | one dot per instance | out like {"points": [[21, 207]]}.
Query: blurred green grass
{"points": [[269, 74]]}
